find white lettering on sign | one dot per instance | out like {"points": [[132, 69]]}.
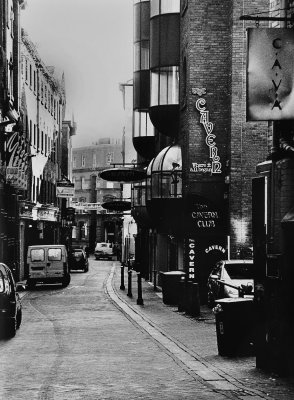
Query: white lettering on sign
{"points": [[191, 262], [215, 247], [215, 166]]}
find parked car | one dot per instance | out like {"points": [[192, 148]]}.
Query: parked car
{"points": [[10, 304], [103, 250], [78, 260], [229, 275], [48, 264]]}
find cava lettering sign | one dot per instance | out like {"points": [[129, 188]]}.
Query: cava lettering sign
{"points": [[270, 84], [214, 166]]}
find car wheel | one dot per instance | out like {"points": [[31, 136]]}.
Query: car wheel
{"points": [[31, 284], [18, 319], [11, 328], [66, 280]]}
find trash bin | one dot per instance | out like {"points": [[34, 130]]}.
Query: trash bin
{"points": [[234, 318], [170, 283]]}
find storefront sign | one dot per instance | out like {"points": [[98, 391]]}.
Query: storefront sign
{"points": [[191, 259], [204, 216], [214, 166], [87, 206], [65, 189], [214, 247], [44, 214], [16, 159], [270, 94], [205, 219]]}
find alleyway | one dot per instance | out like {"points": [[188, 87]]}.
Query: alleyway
{"points": [[91, 341]]}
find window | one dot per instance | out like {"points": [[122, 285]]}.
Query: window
{"points": [[165, 86], [34, 138], [83, 160], [1, 282], [109, 185], [109, 158], [30, 131], [54, 255], [74, 162], [94, 160], [37, 255], [83, 183], [31, 80], [26, 70]]}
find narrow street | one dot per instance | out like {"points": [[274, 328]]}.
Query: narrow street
{"points": [[74, 343]]}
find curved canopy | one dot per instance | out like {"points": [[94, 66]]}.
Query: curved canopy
{"points": [[169, 159], [123, 174]]}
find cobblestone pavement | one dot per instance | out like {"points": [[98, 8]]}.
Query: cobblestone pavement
{"points": [[79, 343], [191, 342]]}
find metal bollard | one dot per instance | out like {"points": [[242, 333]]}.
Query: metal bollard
{"points": [[154, 278], [122, 277], [130, 283], [139, 299]]}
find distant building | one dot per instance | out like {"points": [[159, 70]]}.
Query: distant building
{"points": [[93, 222]]}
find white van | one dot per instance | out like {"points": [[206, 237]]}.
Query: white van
{"points": [[48, 264]]}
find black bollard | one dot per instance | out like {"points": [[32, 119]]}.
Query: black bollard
{"points": [[130, 283], [122, 277], [154, 279], [140, 298]]}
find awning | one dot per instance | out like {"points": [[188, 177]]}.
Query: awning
{"points": [[117, 205], [123, 174]]}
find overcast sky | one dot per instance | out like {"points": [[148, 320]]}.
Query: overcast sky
{"points": [[91, 41]]}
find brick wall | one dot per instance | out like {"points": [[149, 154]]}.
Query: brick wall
{"points": [[213, 46]]}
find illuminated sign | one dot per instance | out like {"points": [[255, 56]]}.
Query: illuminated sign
{"points": [[214, 166], [191, 259]]}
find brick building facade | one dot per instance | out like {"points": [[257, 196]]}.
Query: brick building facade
{"points": [[219, 148]]}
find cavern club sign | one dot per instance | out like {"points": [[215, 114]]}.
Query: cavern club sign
{"points": [[204, 216], [270, 84]]}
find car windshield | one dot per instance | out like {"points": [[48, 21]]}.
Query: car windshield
{"points": [[77, 253], [240, 271]]}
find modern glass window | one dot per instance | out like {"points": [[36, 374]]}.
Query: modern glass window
{"points": [[165, 86], [141, 55], [166, 174], [139, 195], [164, 7], [142, 125]]}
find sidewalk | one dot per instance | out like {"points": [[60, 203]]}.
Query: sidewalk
{"points": [[192, 343]]}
